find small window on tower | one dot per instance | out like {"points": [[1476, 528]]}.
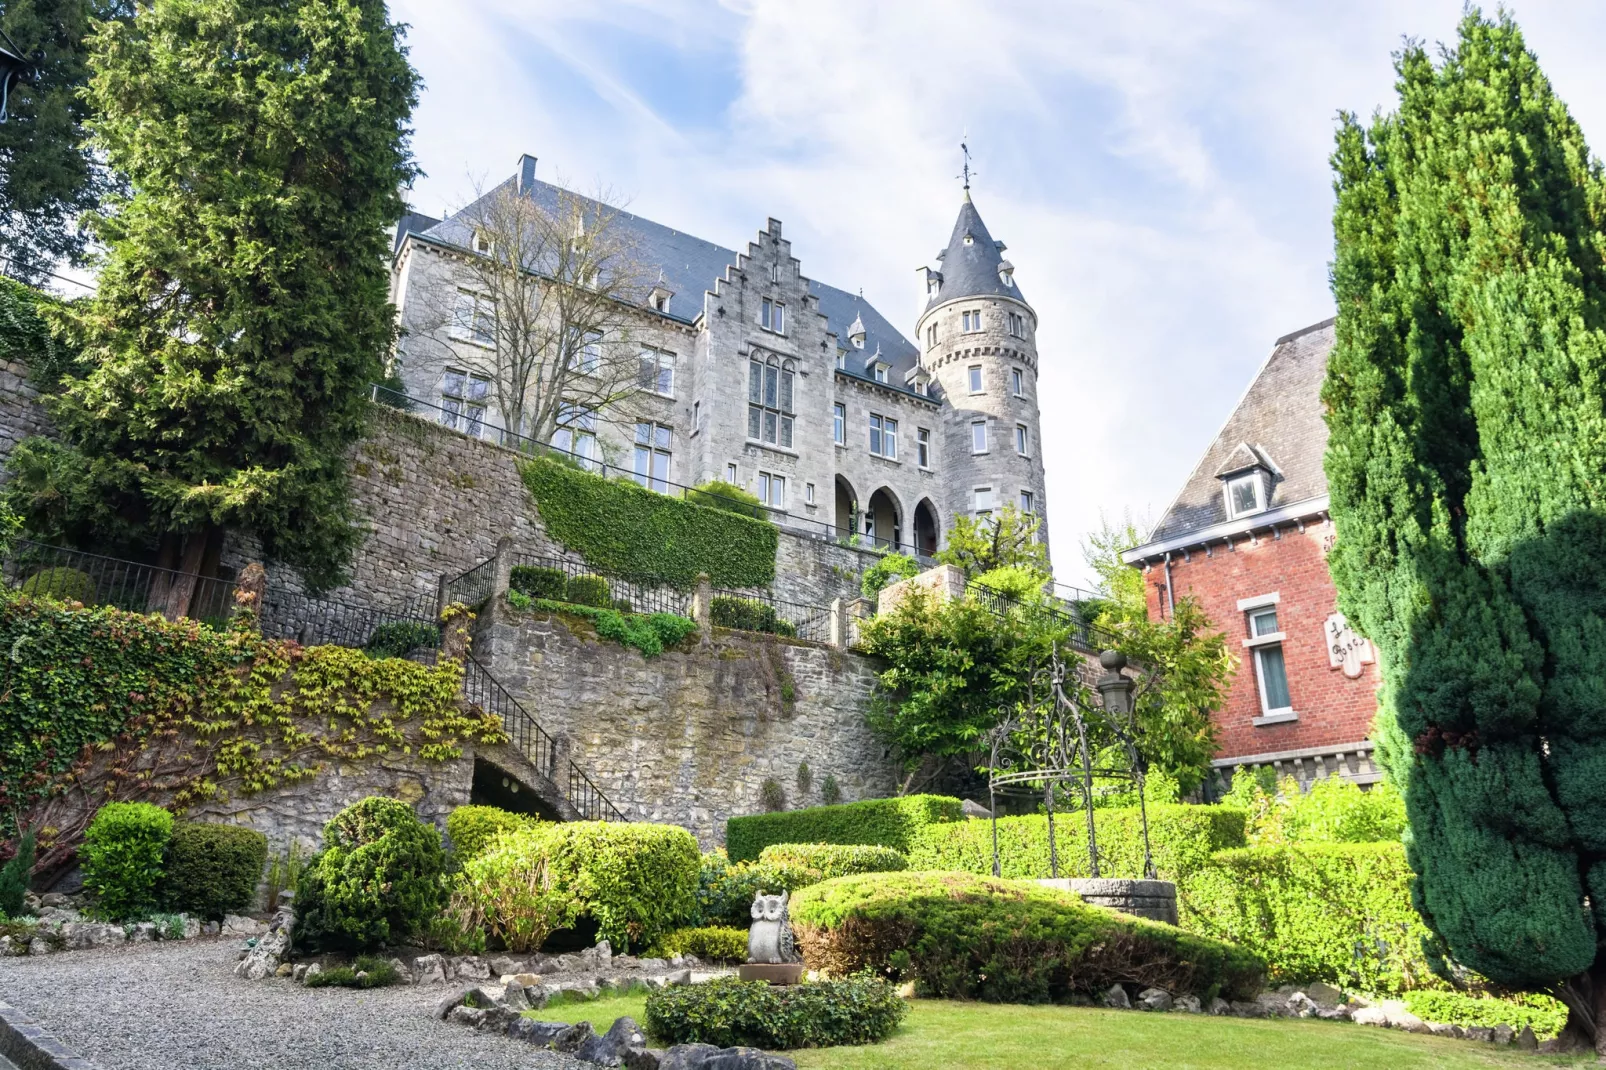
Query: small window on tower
{"points": [[975, 378]]}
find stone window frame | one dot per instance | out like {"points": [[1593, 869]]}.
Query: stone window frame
{"points": [[1017, 382], [839, 423], [658, 443], [923, 447], [1028, 501], [474, 318], [931, 335], [976, 379], [976, 501], [771, 400], [883, 436], [970, 320], [978, 437], [467, 400], [1023, 440], [662, 363], [772, 316], [1017, 325], [772, 489], [576, 428]]}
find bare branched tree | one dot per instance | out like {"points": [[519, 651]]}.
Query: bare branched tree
{"points": [[544, 310]]}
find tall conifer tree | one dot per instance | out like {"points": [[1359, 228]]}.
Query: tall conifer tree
{"points": [[1466, 400], [242, 307]]}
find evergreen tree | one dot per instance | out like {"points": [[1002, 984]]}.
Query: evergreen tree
{"points": [[1466, 400], [242, 307]]}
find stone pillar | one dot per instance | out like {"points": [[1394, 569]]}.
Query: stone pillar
{"points": [[839, 624], [702, 606], [502, 577], [857, 611], [440, 596]]}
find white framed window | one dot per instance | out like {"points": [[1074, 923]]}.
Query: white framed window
{"points": [[808, 494], [463, 401], [1265, 642], [982, 500], [1246, 494], [474, 318], [730, 474], [1017, 382], [772, 316], [978, 436], [974, 375], [772, 490], [576, 432], [842, 359], [769, 401], [652, 455], [839, 424], [884, 436], [923, 447], [931, 336], [1028, 502], [585, 352], [1017, 325], [482, 242], [970, 321], [1023, 439], [658, 372], [880, 373]]}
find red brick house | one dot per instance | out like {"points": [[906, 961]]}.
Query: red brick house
{"points": [[1248, 536]]}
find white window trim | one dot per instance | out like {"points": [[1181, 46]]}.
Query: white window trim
{"points": [[1260, 495], [987, 440], [1259, 601], [1269, 715], [1263, 640], [981, 379]]}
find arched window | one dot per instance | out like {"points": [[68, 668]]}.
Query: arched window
{"points": [[769, 400]]}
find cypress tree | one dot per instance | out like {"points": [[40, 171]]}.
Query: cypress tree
{"points": [[1467, 469], [242, 307]]}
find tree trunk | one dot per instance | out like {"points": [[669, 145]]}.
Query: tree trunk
{"points": [[1584, 996], [181, 588]]}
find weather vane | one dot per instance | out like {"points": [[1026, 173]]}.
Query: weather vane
{"points": [[966, 171]]}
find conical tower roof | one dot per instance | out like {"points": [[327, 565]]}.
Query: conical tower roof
{"points": [[970, 263]]}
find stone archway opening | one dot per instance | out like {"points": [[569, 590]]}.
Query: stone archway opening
{"points": [[847, 509], [495, 786], [927, 528], [883, 520]]}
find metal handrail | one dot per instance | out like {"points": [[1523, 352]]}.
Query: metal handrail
{"points": [[640, 593], [1085, 637], [803, 620]]}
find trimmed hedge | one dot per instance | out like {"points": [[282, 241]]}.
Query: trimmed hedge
{"points": [[63, 584], [894, 823], [960, 936], [718, 494], [511, 892], [589, 590], [1547, 1015], [627, 529], [748, 615], [213, 870], [636, 880], [1339, 913], [1181, 839], [538, 581], [122, 856], [712, 943], [395, 638], [728, 1013], [472, 828], [823, 861]]}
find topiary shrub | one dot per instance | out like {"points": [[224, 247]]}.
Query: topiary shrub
{"points": [[711, 943], [377, 879], [539, 582], [63, 584], [728, 1013], [959, 936], [213, 870], [395, 639], [635, 880], [772, 795], [473, 828], [748, 615], [122, 857], [890, 569], [830, 790], [589, 590], [823, 861], [889, 822], [718, 494], [510, 890], [14, 876]]}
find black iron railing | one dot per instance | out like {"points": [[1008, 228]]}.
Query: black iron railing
{"points": [[472, 587], [403, 629], [1084, 636], [567, 581], [488, 693], [770, 615], [92, 579]]}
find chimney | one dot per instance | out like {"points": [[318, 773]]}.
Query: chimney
{"points": [[526, 173]]}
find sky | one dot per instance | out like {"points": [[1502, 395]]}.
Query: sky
{"points": [[1158, 169]]}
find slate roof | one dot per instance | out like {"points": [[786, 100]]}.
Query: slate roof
{"points": [[1278, 422], [689, 265], [971, 270]]}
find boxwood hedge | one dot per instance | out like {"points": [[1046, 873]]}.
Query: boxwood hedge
{"points": [[636, 880], [727, 1013], [213, 870], [472, 828], [822, 861], [960, 936], [891, 823]]}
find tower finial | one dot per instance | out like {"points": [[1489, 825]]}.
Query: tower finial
{"points": [[965, 172]]}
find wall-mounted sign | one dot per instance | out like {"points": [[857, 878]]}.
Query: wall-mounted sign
{"points": [[1345, 649]]}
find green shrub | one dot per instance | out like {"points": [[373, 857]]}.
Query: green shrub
{"points": [[888, 822], [727, 1013], [1545, 1014], [1339, 913], [394, 639], [823, 861], [636, 880], [725, 890], [538, 582], [748, 615], [26, 337], [510, 890], [624, 605], [1336, 810], [64, 584], [122, 857], [712, 943], [377, 879], [960, 936], [771, 795], [472, 828], [628, 530], [213, 870], [718, 494], [885, 572], [1181, 839], [650, 633], [589, 590], [376, 973], [14, 876], [830, 790]]}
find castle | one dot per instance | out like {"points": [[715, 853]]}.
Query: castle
{"points": [[798, 392]]}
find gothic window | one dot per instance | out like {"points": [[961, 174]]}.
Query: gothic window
{"points": [[474, 318], [884, 436], [463, 401], [772, 316], [769, 401], [652, 455], [658, 371]]}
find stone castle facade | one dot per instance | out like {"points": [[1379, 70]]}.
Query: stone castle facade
{"points": [[798, 392]]}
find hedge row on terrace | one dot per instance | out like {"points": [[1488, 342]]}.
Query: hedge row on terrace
{"points": [[891, 823]]}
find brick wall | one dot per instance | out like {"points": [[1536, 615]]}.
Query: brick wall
{"points": [[1333, 709]]}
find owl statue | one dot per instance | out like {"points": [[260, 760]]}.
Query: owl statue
{"points": [[770, 938]]}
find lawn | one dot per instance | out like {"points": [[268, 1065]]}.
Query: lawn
{"points": [[993, 1036]]}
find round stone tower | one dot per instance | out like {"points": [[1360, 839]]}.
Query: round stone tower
{"points": [[978, 343]]}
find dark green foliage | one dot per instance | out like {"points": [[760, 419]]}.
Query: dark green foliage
{"points": [[725, 889], [14, 876], [771, 795], [1545, 1014], [25, 334], [893, 823], [820, 1014], [712, 943], [588, 590], [122, 858], [960, 936], [635, 880], [717, 494], [816, 862], [65, 584], [748, 615], [1339, 913], [213, 870], [805, 778], [888, 570], [376, 973], [395, 638], [241, 308], [650, 633], [622, 528], [539, 582], [1181, 839], [1467, 413], [378, 879], [472, 828], [830, 791]]}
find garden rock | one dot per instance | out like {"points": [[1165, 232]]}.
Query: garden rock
{"points": [[39, 946], [471, 968], [644, 1059], [687, 1056], [1480, 1032], [1370, 1016], [1526, 1039], [1441, 1029], [746, 1059], [1219, 1006], [533, 1032], [238, 925], [505, 965], [143, 932], [609, 1049], [403, 975], [1248, 1008], [473, 1017], [1503, 1034], [86, 934], [1341, 1013], [429, 970], [443, 1007], [1117, 998], [1188, 1004], [1324, 994], [264, 956], [1301, 1006], [313, 970], [570, 1040], [680, 977], [1155, 999], [512, 997]]}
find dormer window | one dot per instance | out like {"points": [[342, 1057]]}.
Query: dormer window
{"points": [[969, 240], [482, 242], [880, 372], [1246, 494], [1006, 273]]}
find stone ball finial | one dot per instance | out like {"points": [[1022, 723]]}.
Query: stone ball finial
{"points": [[1113, 660]]}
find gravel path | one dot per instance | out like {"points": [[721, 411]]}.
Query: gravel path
{"points": [[178, 1006]]}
